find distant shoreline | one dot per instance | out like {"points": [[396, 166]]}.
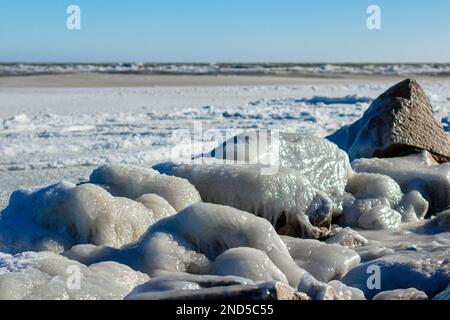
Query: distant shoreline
{"points": [[98, 80]]}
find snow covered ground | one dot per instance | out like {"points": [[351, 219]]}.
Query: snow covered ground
{"points": [[49, 133]]}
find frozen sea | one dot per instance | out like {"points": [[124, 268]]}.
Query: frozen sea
{"points": [[49, 132]]}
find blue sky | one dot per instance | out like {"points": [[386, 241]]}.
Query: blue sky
{"points": [[224, 31]]}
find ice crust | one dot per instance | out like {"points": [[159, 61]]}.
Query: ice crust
{"points": [[47, 275]]}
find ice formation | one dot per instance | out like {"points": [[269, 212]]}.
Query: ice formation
{"points": [[133, 182], [428, 271], [325, 262], [416, 172], [62, 215], [324, 165], [247, 263], [47, 275], [193, 238], [286, 198], [401, 294]]}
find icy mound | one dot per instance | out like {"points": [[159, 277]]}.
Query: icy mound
{"points": [[401, 294], [132, 182], [418, 172], [324, 261], [62, 215], [160, 207], [48, 276], [193, 238], [285, 198], [318, 160], [345, 292], [183, 286], [377, 202], [428, 271], [247, 263]]}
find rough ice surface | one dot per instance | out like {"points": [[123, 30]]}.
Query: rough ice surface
{"points": [[428, 271], [418, 172], [247, 263], [324, 261], [62, 215], [321, 162], [380, 217], [401, 294], [285, 198], [47, 275], [133, 181]]}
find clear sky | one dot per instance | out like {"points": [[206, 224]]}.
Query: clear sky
{"points": [[224, 31]]}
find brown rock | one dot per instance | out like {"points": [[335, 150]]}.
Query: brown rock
{"points": [[399, 122]]}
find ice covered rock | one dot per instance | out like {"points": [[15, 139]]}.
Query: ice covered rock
{"points": [[400, 121], [248, 263], [345, 292], [374, 186], [347, 237], [182, 286], [438, 224], [132, 182], [324, 261], [192, 239], [285, 198], [428, 271], [48, 276], [412, 207], [418, 172], [401, 294], [160, 207], [62, 215], [321, 162], [380, 217]]}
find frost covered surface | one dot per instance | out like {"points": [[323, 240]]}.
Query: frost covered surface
{"points": [[45, 275]]}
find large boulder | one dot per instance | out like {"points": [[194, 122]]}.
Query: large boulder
{"points": [[399, 122]]}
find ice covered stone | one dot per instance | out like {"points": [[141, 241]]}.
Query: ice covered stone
{"points": [[414, 172], [321, 162], [348, 238], [380, 217], [248, 263], [132, 182], [444, 295], [400, 121], [62, 215], [345, 292], [412, 207], [48, 276], [428, 271], [401, 294], [160, 207], [324, 261], [285, 198], [182, 286]]}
